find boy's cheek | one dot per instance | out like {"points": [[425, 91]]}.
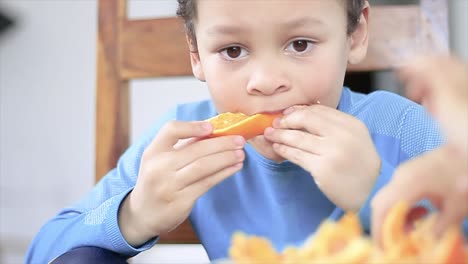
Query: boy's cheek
{"points": [[323, 85]]}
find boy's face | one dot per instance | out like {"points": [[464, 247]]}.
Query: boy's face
{"points": [[267, 55]]}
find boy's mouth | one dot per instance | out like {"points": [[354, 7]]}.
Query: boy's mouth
{"points": [[272, 112], [280, 111]]}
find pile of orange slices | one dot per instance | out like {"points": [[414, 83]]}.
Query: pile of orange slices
{"points": [[344, 242]]}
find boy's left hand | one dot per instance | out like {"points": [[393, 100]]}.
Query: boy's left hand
{"points": [[334, 147]]}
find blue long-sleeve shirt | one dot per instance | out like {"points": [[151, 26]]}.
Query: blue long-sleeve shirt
{"points": [[279, 201]]}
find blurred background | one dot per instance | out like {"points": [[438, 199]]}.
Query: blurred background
{"points": [[47, 110]]}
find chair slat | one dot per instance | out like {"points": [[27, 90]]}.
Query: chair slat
{"points": [[112, 93], [154, 48]]}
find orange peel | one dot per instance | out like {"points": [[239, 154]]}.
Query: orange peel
{"points": [[228, 123]]}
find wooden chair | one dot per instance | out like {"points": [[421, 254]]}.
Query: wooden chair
{"points": [[148, 48]]}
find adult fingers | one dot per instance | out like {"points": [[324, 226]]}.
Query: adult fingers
{"points": [[440, 75], [453, 211], [419, 173], [454, 208], [381, 205]]}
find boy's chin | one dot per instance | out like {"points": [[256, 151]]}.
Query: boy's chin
{"points": [[265, 148]]}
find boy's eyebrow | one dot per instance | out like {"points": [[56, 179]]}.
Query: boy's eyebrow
{"points": [[229, 30], [303, 21], [223, 30]]}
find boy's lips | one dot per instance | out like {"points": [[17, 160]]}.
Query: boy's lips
{"points": [[274, 112], [280, 110]]}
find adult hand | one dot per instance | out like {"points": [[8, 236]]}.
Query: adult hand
{"points": [[437, 176], [441, 84]]}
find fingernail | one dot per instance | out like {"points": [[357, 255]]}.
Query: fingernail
{"points": [[239, 154], [239, 141], [268, 131], [207, 126], [277, 122], [288, 110]]}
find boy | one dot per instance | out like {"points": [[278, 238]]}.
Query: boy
{"points": [[330, 153]]}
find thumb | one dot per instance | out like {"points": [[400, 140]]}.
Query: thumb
{"points": [[417, 173]]}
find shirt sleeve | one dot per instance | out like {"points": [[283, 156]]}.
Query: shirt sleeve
{"points": [[418, 133], [94, 220]]}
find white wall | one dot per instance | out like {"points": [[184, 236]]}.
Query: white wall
{"points": [[46, 118], [47, 104]]}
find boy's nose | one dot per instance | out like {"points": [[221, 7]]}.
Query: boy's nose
{"points": [[268, 80]]}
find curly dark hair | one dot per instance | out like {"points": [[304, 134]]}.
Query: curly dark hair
{"points": [[187, 10]]}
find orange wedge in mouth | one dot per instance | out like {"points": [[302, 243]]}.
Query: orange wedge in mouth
{"points": [[240, 124]]}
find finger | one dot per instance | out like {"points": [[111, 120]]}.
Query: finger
{"points": [[173, 131], [201, 187], [295, 138], [417, 90], [181, 143], [423, 175], [206, 166], [297, 156], [412, 173], [415, 76], [411, 69], [202, 148], [453, 210], [381, 204], [316, 119], [441, 75], [449, 216]]}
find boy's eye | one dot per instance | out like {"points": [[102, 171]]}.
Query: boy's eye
{"points": [[233, 52], [300, 46]]}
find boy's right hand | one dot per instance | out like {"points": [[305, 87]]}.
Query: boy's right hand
{"points": [[172, 178]]}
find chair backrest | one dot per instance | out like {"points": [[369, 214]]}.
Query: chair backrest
{"points": [[148, 48]]}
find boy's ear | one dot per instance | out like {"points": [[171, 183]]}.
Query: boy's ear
{"points": [[197, 68], [360, 37]]}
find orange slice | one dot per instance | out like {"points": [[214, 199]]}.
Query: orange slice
{"points": [[451, 247], [394, 225], [240, 124]]}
